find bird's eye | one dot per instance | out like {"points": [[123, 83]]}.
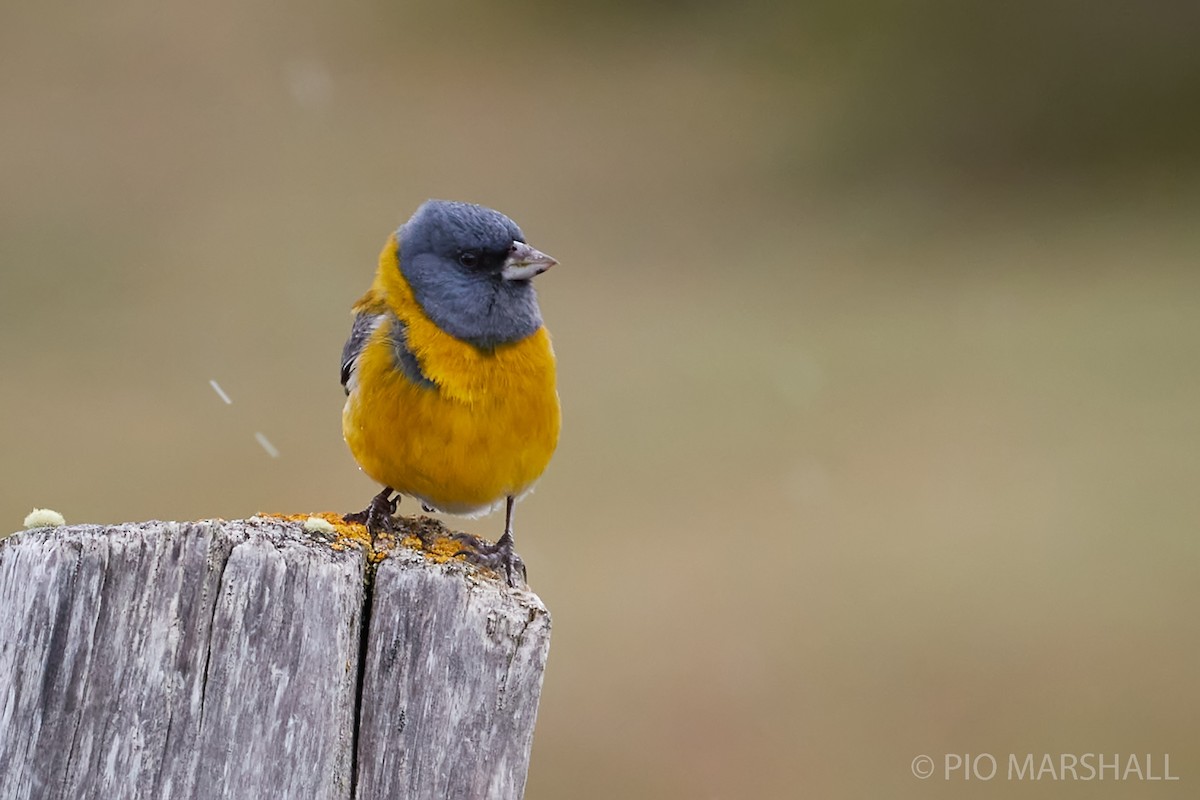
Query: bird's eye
{"points": [[468, 258]]}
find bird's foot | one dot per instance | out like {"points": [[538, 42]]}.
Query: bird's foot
{"points": [[500, 557], [377, 516]]}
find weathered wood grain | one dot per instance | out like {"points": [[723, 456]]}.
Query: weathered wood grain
{"points": [[222, 660], [452, 676], [169, 660]]}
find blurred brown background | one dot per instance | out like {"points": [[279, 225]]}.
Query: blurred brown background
{"points": [[878, 324]]}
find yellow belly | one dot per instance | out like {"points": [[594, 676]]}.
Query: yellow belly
{"points": [[487, 431]]}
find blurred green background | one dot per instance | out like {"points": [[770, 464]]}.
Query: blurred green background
{"points": [[878, 327]]}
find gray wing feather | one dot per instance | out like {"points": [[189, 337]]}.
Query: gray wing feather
{"points": [[405, 360], [364, 325]]}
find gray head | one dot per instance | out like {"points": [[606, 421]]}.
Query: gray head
{"points": [[470, 270]]}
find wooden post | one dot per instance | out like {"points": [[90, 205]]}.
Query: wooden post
{"points": [[252, 659]]}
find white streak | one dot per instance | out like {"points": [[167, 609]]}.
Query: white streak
{"points": [[272, 451], [220, 392]]}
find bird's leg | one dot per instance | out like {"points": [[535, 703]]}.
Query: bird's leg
{"points": [[501, 556], [377, 516]]}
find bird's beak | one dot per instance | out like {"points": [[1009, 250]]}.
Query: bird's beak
{"points": [[524, 262]]}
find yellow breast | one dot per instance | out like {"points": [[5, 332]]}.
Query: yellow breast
{"points": [[486, 431]]}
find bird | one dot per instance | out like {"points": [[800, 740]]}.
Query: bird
{"points": [[450, 376]]}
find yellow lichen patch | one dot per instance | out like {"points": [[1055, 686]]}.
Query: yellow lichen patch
{"points": [[345, 534], [426, 535], [429, 536]]}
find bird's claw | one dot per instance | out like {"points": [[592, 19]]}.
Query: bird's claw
{"points": [[500, 557], [377, 516]]}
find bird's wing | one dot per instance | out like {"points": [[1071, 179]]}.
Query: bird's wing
{"points": [[369, 313], [405, 359]]}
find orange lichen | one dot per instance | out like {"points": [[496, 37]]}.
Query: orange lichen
{"points": [[426, 535]]}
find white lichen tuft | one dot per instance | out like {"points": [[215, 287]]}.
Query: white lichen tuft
{"points": [[318, 525], [44, 518]]}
